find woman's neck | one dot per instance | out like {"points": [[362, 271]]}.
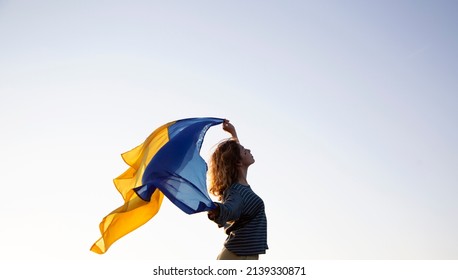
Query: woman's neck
{"points": [[242, 179]]}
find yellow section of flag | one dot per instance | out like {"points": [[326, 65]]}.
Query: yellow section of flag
{"points": [[135, 212]]}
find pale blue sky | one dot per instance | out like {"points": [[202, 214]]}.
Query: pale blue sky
{"points": [[349, 107]]}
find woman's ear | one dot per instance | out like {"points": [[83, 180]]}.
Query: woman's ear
{"points": [[238, 163]]}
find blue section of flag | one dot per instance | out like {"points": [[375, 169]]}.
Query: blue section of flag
{"points": [[178, 170]]}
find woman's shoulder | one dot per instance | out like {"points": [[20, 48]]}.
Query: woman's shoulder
{"points": [[238, 187], [233, 189]]}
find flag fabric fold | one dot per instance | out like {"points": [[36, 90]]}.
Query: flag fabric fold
{"points": [[167, 163]]}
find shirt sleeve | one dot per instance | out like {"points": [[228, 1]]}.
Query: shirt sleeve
{"points": [[231, 209]]}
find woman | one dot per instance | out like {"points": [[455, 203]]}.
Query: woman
{"points": [[241, 211]]}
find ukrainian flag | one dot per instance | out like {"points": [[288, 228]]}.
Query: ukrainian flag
{"points": [[167, 163]]}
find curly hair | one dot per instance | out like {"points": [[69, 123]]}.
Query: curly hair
{"points": [[223, 170]]}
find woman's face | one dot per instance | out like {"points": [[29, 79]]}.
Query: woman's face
{"points": [[246, 156]]}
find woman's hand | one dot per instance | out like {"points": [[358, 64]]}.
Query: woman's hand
{"points": [[227, 126], [213, 214]]}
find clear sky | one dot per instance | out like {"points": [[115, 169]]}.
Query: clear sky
{"points": [[350, 109]]}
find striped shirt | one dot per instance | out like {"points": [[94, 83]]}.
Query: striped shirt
{"points": [[243, 217]]}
